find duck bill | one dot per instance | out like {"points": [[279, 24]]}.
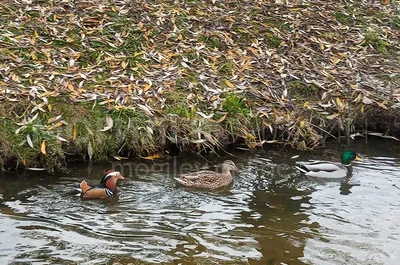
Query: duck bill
{"points": [[358, 158], [121, 177]]}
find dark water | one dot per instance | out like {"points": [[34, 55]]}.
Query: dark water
{"points": [[271, 214]]}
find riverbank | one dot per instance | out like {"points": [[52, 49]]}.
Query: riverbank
{"points": [[101, 79]]}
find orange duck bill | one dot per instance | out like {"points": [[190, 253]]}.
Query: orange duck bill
{"points": [[106, 188]]}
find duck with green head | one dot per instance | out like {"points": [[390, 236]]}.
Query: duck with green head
{"points": [[330, 169]]}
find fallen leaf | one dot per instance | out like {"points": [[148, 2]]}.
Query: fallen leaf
{"points": [[29, 140], [53, 119], [19, 130], [61, 139], [200, 141], [109, 124], [366, 100], [229, 84], [90, 151], [222, 118], [330, 117], [120, 158], [382, 105], [74, 132], [152, 157], [43, 148], [58, 124], [70, 87]]}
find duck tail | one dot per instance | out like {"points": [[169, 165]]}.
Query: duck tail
{"points": [[84, 186], [182, 181], [302, 169]]}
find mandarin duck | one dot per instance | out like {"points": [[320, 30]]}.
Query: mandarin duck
{"points": [[329, 169], [106, 188], [209, 179]]}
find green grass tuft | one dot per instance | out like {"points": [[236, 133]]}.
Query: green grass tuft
{"points": [[343, 18], [234, 104], [182, 110], [226, 69], [373, 39], [273, 41], [212, 41]]}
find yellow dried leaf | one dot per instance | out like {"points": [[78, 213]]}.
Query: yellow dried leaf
{"points": [[358, 98], [146, 87], [70, 87], [53, 119], [229, 84], [335, 60], [382, 105], [124, 64], [254, 51], [213, 98], [221, 119], [140, 25], [58, 124], [43, 147], [338, 102], [250, 136], [153, 157], [74, 132], [330, 117]]}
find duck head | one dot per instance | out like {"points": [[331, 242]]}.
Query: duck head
{"points": [[110, 179], [348, 156], [228, 166]]}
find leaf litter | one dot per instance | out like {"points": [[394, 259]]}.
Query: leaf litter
{"points": [[200, 72]]}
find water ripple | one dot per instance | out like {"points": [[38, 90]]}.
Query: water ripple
{"points": [[259, 220]]}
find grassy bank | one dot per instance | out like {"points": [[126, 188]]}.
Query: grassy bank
{"points": [[92, 80]]}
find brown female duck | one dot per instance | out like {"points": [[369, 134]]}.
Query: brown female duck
{"points": [[209, 179], [106, 188]]}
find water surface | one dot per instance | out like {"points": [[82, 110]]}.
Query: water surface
{"points": [[270, 215]]}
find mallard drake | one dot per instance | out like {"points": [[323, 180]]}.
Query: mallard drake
{"points": [[209, 179], [106, 188], [330, 169]]}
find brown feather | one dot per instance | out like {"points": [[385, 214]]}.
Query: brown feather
{"points": [[209, 179], [84, 186], [97, 193]]}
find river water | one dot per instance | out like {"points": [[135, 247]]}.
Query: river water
{"points": [[270, 215]]}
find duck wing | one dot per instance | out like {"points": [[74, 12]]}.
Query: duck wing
{"points": [[202, 178], [323, 170], [85, 186], [323, 166], [94, 191]]}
